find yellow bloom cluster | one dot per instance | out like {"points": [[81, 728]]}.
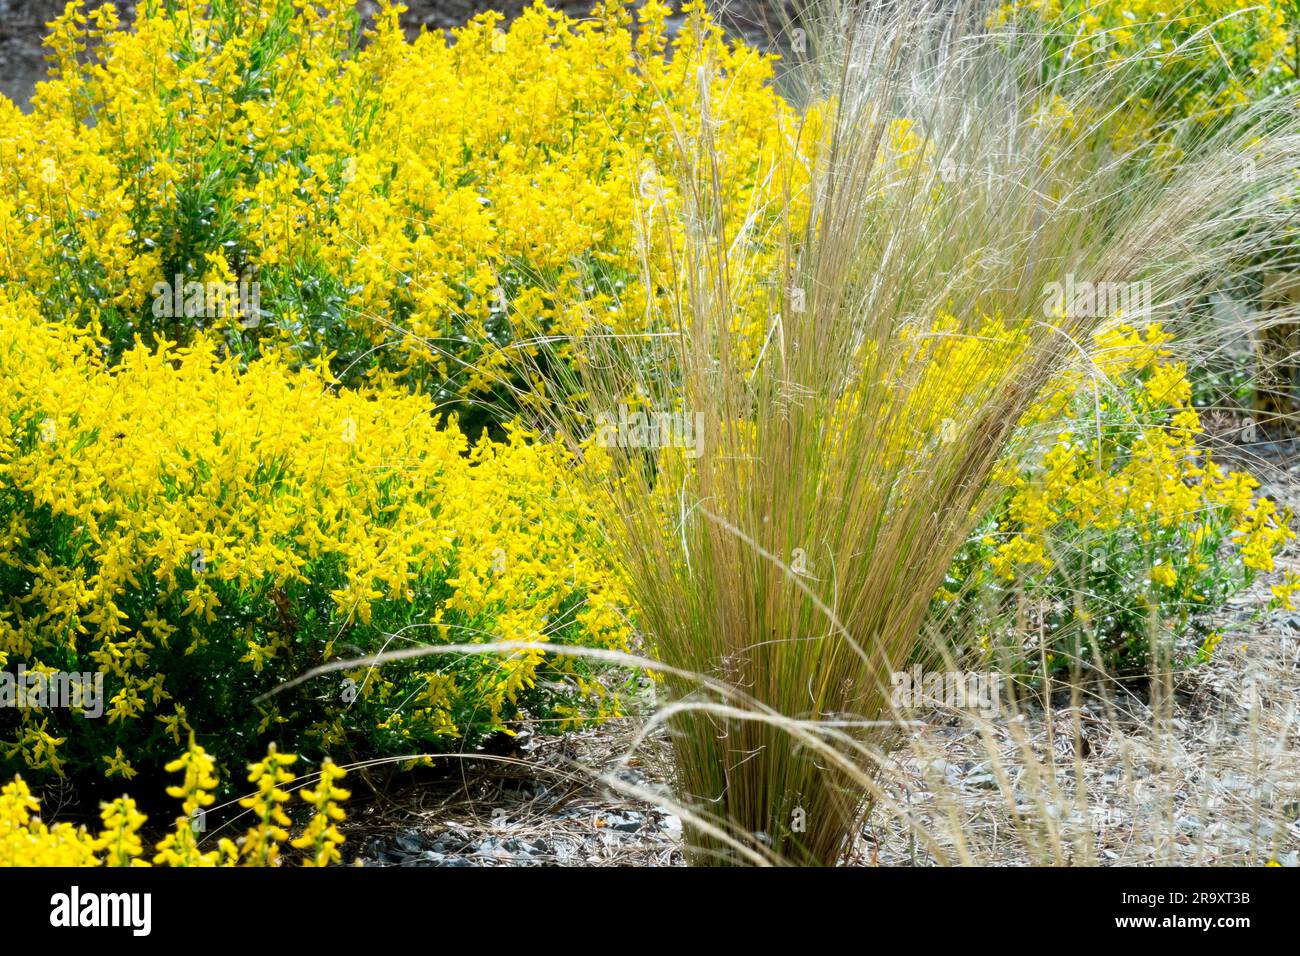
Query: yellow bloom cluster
{"points": [[262, 846], [25, 840], [198, 531], [321, 837]]}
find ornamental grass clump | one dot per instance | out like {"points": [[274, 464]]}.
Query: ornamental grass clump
{"points": [[791, 466]]}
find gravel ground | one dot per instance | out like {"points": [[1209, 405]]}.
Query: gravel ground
{"points": [[540, 805]]}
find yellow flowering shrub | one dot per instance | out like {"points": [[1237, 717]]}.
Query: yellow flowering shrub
{"points": [[199, 531], [1118, 525], [420, 210], [26, 840]]}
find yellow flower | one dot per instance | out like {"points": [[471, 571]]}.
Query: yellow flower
{"points": [[118, 766], [1284, 590], [180, 847], [262, 845], [322, 837], [1164, 575], [120, 840]]}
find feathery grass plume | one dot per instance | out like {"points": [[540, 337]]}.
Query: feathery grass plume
{"points": [[787, 470]]}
